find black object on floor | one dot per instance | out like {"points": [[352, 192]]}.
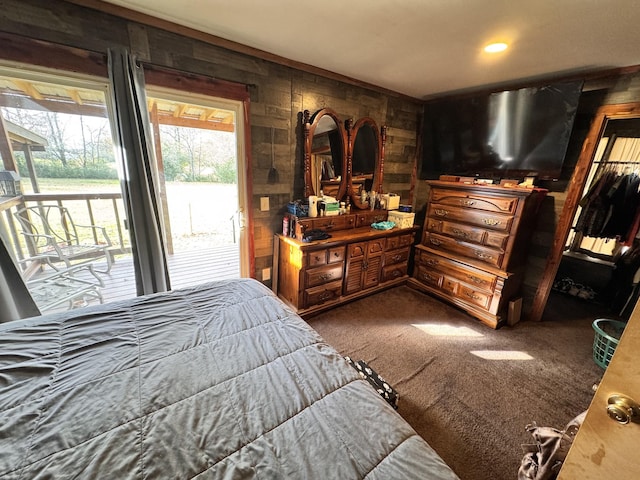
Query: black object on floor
{"points": [[376, 381]]}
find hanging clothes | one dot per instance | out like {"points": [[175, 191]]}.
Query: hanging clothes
{"points": [[623, 200], [610, 207], [595, 205]]}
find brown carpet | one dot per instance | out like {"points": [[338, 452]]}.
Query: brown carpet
{"points": [[472, 410]]}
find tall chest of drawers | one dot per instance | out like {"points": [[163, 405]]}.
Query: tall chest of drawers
{"points": [[474, 246]]}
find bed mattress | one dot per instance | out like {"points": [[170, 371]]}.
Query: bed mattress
{"points": [[217, 381]]}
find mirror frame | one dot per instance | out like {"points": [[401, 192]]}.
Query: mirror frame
{"points": [[604, 114], [310, 123], [378, 170]]}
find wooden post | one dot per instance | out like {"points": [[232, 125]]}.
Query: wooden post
{"points": [[26, 148], [163, 191], [6, 151]]}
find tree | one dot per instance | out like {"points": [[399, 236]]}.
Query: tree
{"points": [[57, 145]]}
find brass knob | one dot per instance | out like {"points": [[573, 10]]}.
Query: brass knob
{"points": [[623, 409]]}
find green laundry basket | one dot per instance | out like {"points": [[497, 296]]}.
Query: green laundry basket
{"points": [[606, 339]]}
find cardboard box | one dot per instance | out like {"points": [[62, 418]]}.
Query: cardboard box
{"points": [[391, 201], [401, 219], [515, 310]]}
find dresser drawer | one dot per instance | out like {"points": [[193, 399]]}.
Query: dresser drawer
{"points": [[317, 258], [334, 222], [489, 220], [476, 297], [474, 201], [320, 275], [457, 247], [473, 276], [434, 225], [325, 256], [471, 234], [429, 277], [396, 256], [365, 219], [450, 285], [391, 272], [399, 241], [463, 232], [323, 293], [497, 240]]}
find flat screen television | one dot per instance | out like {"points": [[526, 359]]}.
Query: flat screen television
{"points": [[509, 134]]}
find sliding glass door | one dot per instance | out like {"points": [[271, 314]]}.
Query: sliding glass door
{"points": [[199, 151], [64, 220]]}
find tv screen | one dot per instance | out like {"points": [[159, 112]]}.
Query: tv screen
{"points": [[510, 134]]}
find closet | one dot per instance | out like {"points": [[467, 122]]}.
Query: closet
{"points": [[601, 261]]}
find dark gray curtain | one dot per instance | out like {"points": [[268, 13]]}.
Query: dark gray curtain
{"points": [[15, 299], [135, 148]]}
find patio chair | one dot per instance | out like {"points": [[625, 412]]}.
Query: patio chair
{"points": [[53, 237], [68, 287]]}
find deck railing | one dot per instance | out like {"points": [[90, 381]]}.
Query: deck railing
{"points": [[102, 209]]}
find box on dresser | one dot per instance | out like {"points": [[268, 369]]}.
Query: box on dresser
{"points": [[402, 219], [474, 245]]}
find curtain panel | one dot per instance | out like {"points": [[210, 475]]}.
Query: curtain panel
{"points": [[15, 300], [134, 150]]}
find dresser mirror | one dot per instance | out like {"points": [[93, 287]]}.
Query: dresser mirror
{"points": [[365, 159], [325, 154]]}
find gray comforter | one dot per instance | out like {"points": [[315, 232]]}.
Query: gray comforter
{"points": [[217, 381]]}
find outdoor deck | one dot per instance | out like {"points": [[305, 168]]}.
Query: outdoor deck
{"points": [[185, 269]]}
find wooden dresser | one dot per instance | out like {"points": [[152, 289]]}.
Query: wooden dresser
{"points": [[356, 261], [474, 246]]}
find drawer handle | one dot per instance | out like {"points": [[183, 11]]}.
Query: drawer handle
{"points": [[467, 203], [441, 212], [397, 258], [491, 221], [317, 258], [483, 256], [433, 225], [325, 276], [428, 277], [336, 254], [326, 295], [472, 296], [460, 233], [433, 263], [396, 273], [435, 242], [476, 280]]}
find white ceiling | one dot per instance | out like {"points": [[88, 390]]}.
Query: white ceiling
{"points": [[423, 48]]}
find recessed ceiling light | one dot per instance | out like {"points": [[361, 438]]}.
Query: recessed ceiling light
{"points": [[496, 47]]}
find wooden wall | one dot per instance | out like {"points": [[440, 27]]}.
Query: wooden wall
{"points": [[279, 93]]}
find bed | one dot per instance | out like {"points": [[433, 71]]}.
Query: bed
{"points": [[216, 381]]}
